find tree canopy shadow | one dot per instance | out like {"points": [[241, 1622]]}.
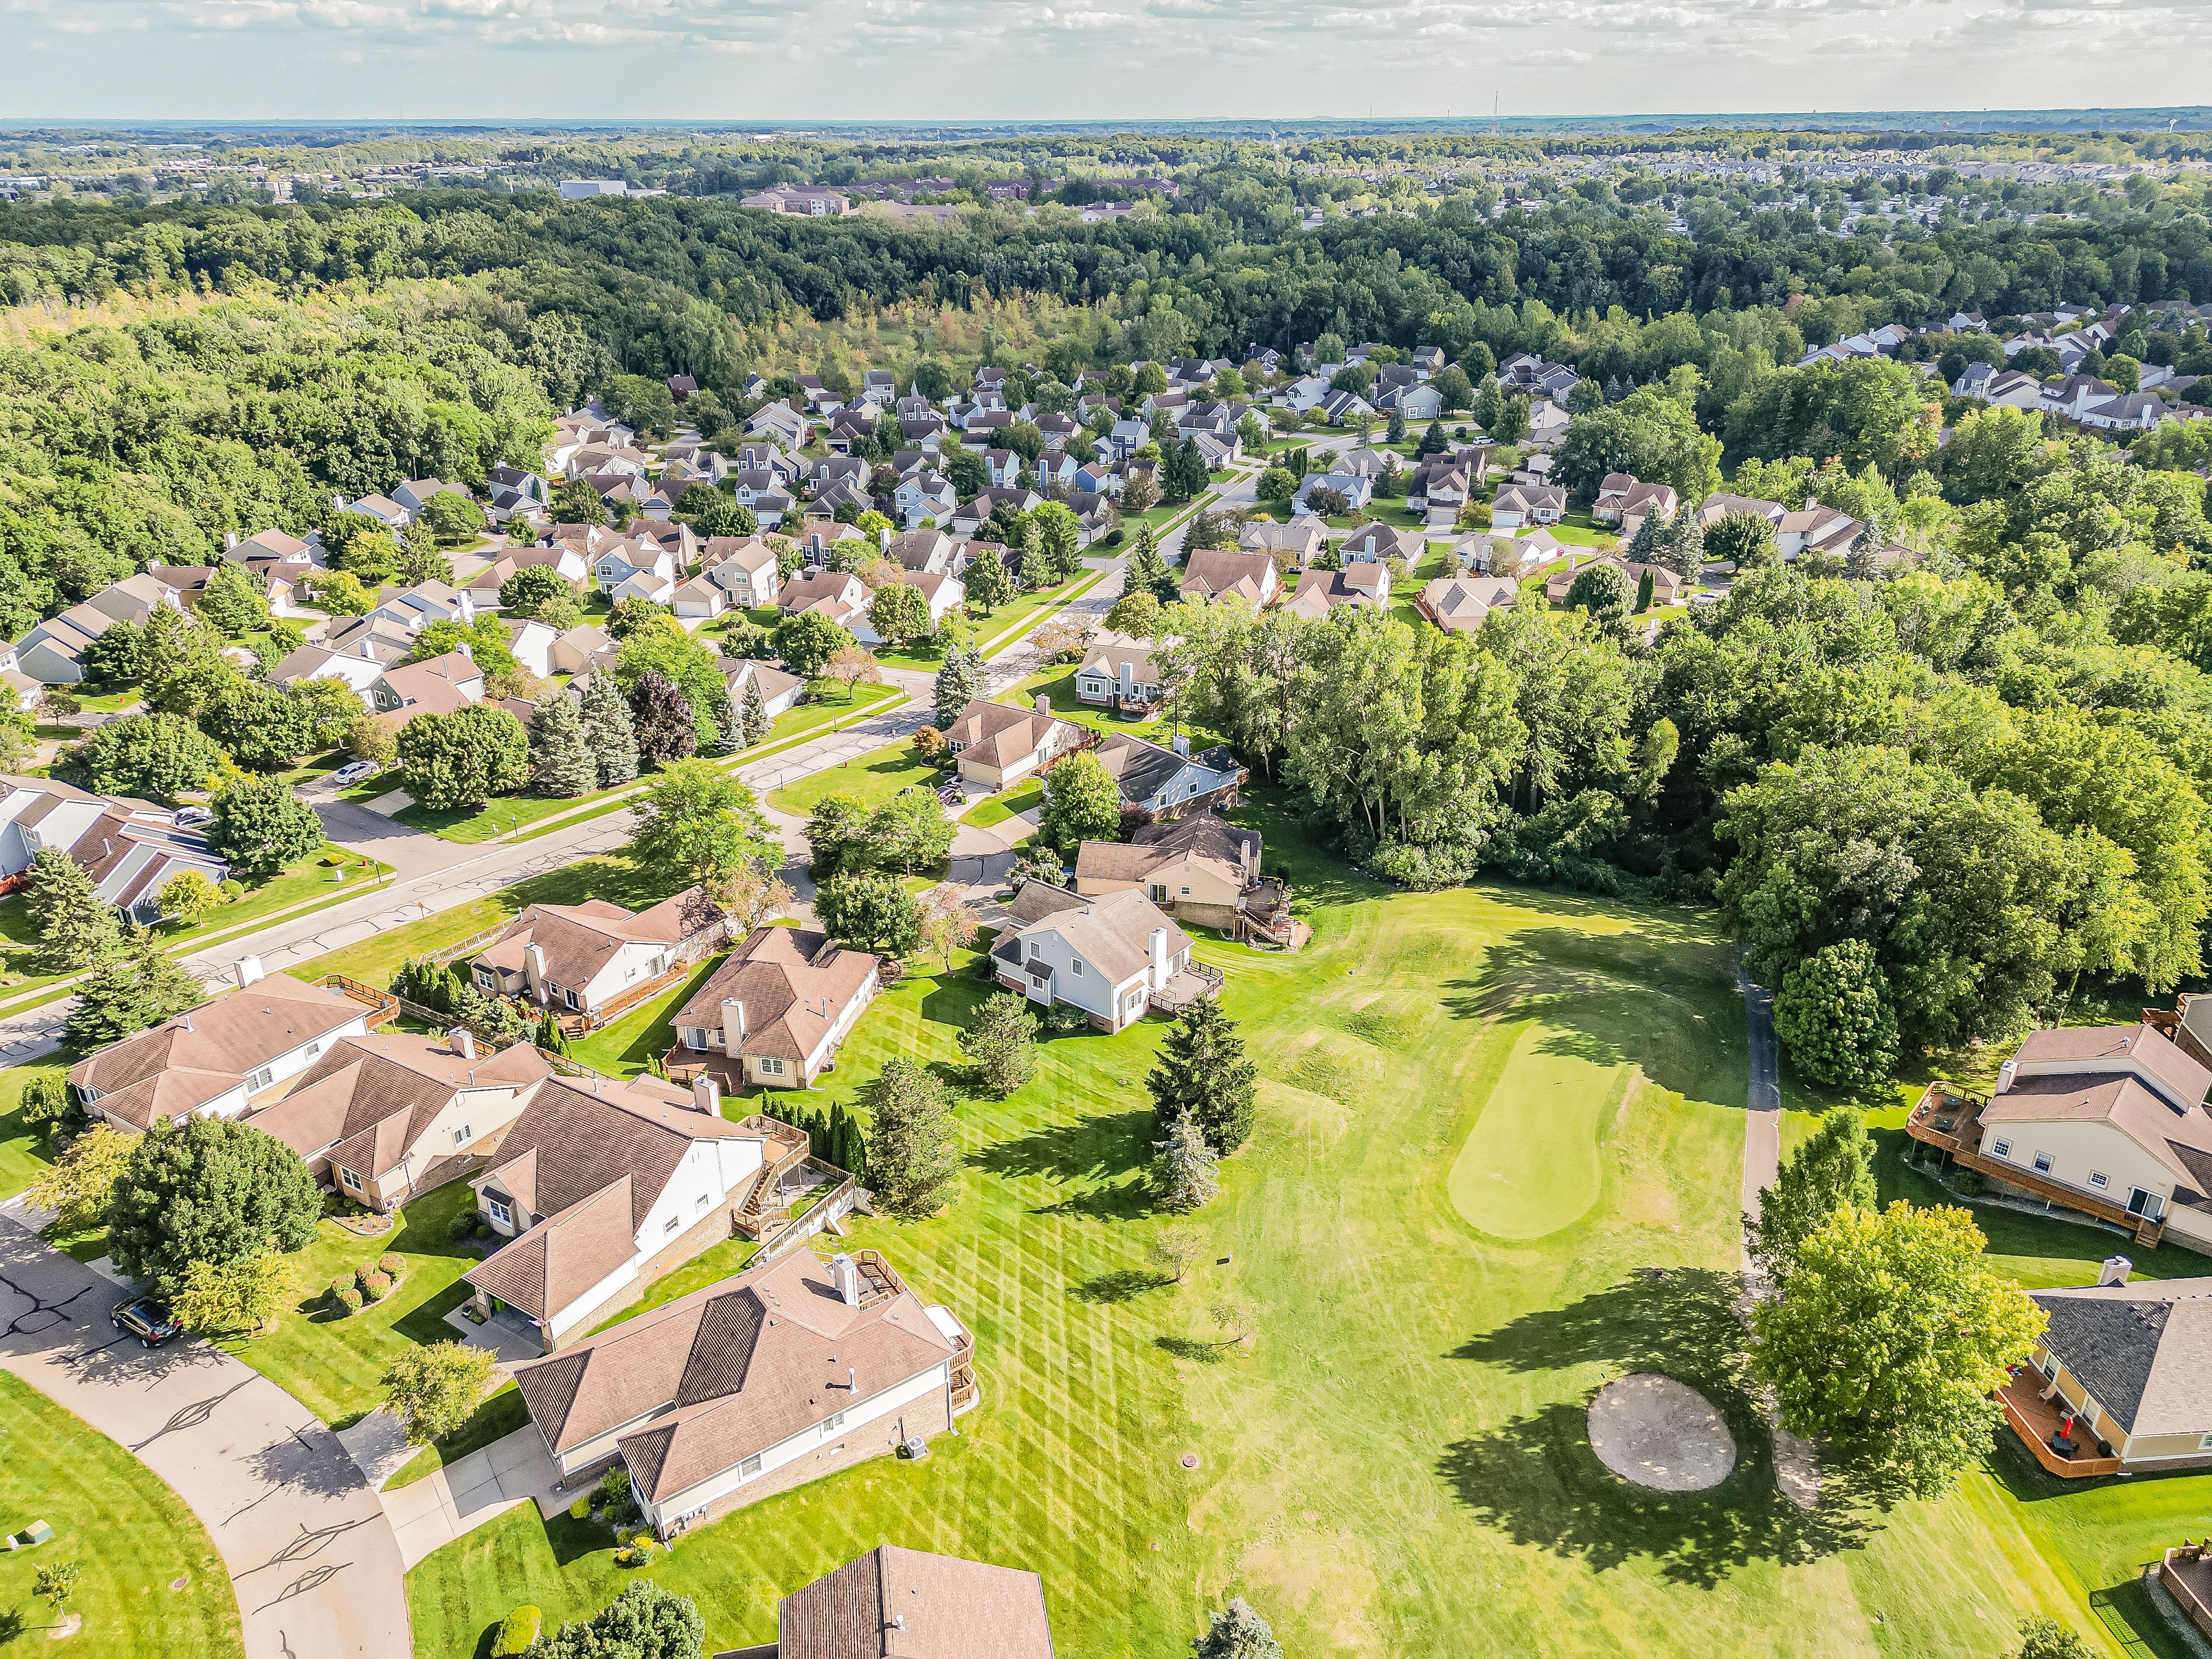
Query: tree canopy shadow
{"points": [[1092, 1149], [1123, 1284], [1537, 1478], [1612, 1001]]}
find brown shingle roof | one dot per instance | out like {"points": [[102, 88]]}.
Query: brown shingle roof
{"points": [[732, 1369], [1213, 572], [894, 1603], [793, 986], [999, 732], [562, 1256], [579, 939], [388, 1085], [1113, 932]]}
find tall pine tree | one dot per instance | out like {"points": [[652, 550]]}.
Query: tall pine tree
{"points": [[140, 986], [561, 759], [77, 926], [960, 681], [1202, 1071], [755, 713], [729, 721], [608, 732], [1146, 571]]}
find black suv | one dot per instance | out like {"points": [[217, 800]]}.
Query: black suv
{"points": [[148, 1319]]}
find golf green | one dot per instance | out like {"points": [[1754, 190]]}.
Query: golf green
{"points": [[1529, 1166]]}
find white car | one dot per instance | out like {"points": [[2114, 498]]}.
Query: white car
{"points": [[346, 776]]}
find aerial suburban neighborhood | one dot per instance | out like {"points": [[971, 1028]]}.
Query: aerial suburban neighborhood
{"points": [[869, 891]]}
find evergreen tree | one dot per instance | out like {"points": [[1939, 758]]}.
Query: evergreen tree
{"points": [[77, 926], [1202, 1072], [1395, 432], [561, 759], [1001, 1045], [1237, 1632], [1832, 1170], [607, 731], [1433, 441], [960, 681], [1189, 1173], [1146, 571], [729, 721], [912, 1158], [756, 721], [1645, 584], [140, 986]]}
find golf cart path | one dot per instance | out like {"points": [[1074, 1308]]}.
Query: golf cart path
{"points": [[1796, 1463], [312, 1557]]}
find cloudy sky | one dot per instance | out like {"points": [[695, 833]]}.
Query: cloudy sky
{"points": [[1095, 59]]}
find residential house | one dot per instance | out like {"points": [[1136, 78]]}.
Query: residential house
{"points": [[1547, 423], [583, 650], [1817, 529], [130, 849], [224, 1055], [778, 692], [1217, 573], [894, 1603], [437, 685], [763, 490], [1666, 586], [283, 562], [2129, 1367], [566, 559], [630, 557], [1118, 675], [775, 1012], [1199, 869], [1374, 542], [1297, 543], [415, 494], [744, 567], [821, 474], [781, 422], [838, 594], [2109, 1120], [1344, 408], [385, 1116], [599, 1188], [1505, 553], [1518, 505], [1416, 402], [530, 642], [2132, 412], [1320, 592], [1713, 508], [356, 652], [1357, 489], [1441, 487], [1458, 604], [699, 600], [925, 552], [1168, 782], [1305, 393], [995, 745], [1623, 495], [795, 1368], [1111, 957], [926, 498], [2069, 395], [594, 959], [944, 594], [385, 511]]}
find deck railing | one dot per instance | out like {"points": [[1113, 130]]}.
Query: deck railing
{"points": [[2032, 1434], [384, 1007], [1939, 1104]]}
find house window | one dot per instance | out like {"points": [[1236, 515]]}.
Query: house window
{"points": [[258, 1080], [772, 1067], [1037, 950], [672, 1224], [314, 1048], [831, 1424], [569, 997], [2204, 1442], [461, 1136], [1076, 967], [2099, 1179], [750, 1467], [2043, 1163], [2001, 1148], [499, 1212], [484, 979], [703, 1201], [352, 1181], [2048, 1365], [1186, 892], [694, 1038]]}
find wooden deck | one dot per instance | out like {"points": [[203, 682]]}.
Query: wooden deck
{"points": [[2036, 1421], [1950, 1119], [2187, 1572]]}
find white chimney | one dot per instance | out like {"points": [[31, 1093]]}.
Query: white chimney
{"points": [[464, 1041], [734, 1024], [2006, 1073], [533, 965], [884, 538], [706, 1094], [846, 1276], [1183, 743], [2115, 1271], [1128, 677], [229, 540], [1159, 956], [1043, 704], [248, 969], [852, 1379]]}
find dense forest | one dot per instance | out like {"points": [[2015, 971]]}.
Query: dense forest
{"points": [[1938, 793]]}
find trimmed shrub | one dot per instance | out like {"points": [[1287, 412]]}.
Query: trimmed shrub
{"points": [[1968, 1183], [391, 1265], [580, 1509], [463, 1226], [484, 1227], [518, 1631], [350, 1300], [376, 1286], [341, 1285]]}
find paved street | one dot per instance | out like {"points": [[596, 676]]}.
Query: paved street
{"points": [[311, 1557]]}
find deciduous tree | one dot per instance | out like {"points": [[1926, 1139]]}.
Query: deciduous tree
{"points": [[464, 758], [205, 1188], [435, 1389], [79, 1184], [868, 911], [1082, 802], [702, 823], [1834, 1018], [1833, 1169], [239, 1295]]}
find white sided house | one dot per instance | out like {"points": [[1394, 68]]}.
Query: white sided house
{"points": [[2133, 1363], [227, 1054], [591, 959], [600, 1189], [1114, 957], [791, 1370]]}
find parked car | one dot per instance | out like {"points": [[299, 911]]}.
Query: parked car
{"points": [[354, 772], [150, 1320], [190, 817]]}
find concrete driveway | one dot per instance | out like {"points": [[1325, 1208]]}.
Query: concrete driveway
{"points": [[313, 1560], [432, 1513]]}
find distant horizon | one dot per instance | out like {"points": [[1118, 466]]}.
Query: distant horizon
{"points": [[1917, 119]]}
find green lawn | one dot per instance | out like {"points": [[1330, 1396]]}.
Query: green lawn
{"points": [[470, 824], [24, 1150], [871, 779], [332, 1363], [625, 1048], [998, 808], [1400, 1452], [133, 1537], [497, 1418]]}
